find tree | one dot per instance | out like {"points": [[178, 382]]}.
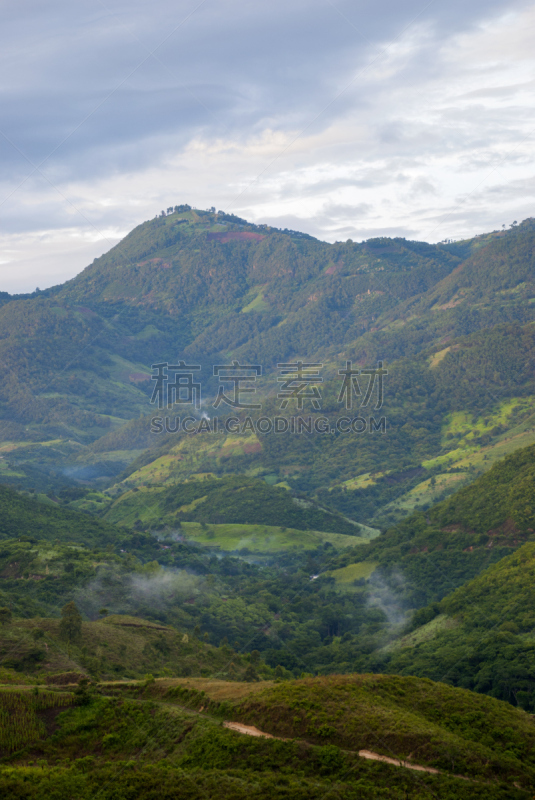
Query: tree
{"points": [[5, 616], [70, 627], [83, 693], [250, 674]]}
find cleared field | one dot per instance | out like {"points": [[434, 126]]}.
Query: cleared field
{"points": [[353, 572], [216, 690], [426, 493], [265, 538]]}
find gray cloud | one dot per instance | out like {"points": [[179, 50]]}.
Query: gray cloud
{"points": [[348, 112]]}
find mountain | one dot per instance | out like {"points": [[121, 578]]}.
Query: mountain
{"points": [[465, 567], [206, 287]]}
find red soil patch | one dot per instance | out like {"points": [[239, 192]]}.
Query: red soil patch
{"points": [[138, 377], [334, 268], [255, 447]]}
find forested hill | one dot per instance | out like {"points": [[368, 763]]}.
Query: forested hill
{"points": [[479, 637], [202, 284], [497, 508], [440, 549], [208, 287], [33, 519]]}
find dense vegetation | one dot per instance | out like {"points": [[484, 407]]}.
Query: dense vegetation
{"points": [[455, 540], [232, 499], [490, 647], [452, 322], [247, 556]]}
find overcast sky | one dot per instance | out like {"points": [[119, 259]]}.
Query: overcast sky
{"points": [[343, 119]]}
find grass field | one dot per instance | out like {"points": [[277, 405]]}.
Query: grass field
{"points": [[345, 576], [265, 538]]}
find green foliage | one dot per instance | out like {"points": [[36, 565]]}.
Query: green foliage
{"points": [[83, 694], [125, 749], [23, 517], [491, 647], [70, 627], [498, 504], [449, 729], [231, 499]]}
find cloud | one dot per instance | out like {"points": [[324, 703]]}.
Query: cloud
{"points": [[289, 111], [387, 595], [142, 594]]}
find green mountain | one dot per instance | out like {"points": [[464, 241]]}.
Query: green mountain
{"points": [[445, 319], [229, 560], [467, 565], [452, 542], [231, 499]]}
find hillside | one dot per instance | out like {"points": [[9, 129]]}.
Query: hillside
{"points": [[314, 600], [479, 637], [169, 735], [446, 320], [36, 518], [54, 555], [230, 499], [464, 570], [114, 646], [454, 540]]}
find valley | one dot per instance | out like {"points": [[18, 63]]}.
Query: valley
{"points": [[362, 594]]}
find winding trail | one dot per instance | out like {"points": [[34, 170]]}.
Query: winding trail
{"points": [[250, 730]]}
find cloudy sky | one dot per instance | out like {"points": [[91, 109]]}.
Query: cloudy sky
{"points": [[345, 119]]}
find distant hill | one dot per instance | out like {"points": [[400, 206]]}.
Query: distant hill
{"points": [[231, 499], [445, 319]]}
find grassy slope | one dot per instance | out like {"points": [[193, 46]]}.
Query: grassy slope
{"points": [[232, 499], [409, 718], [264, 538], [156, 742], [119, 646]]}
